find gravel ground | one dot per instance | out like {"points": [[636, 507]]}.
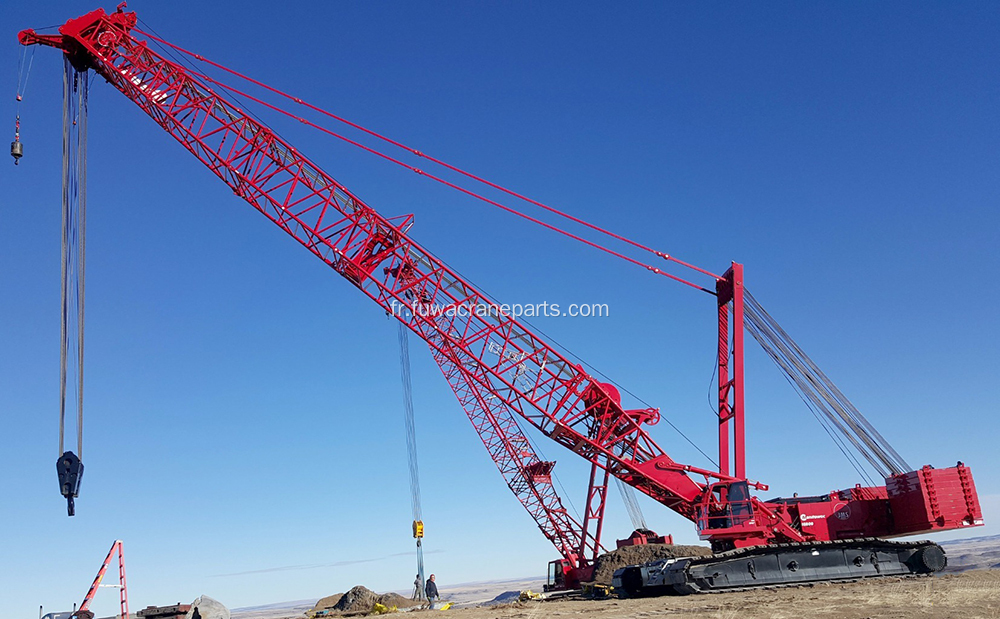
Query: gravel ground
{"points": [[969, 595]]}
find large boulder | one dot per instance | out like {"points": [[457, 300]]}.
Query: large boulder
{"points": [[207, 608], [358, 599]]}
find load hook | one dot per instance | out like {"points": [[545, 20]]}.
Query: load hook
{"points": [[16, 148]]}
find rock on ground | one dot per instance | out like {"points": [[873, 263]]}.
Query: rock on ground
{"points": [[358, 599], [207, 608], [606, 564]]}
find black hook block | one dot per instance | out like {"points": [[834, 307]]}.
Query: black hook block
{"points": [[70, 470]]}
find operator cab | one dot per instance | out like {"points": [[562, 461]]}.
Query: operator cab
{"points": [[726, 505], [556, 580]]}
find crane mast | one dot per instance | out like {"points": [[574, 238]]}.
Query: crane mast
{"points": [[503, 373]]}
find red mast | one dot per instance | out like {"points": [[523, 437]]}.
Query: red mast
{"points": [[84, 611], [729, 290]]}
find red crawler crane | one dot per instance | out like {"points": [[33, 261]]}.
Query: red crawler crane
{"points": [[505, 375]]}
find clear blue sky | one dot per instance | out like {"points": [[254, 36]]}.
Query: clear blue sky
{"points": [[243, 401]]}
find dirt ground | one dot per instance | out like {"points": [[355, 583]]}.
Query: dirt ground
{"points": [[969, 595]]}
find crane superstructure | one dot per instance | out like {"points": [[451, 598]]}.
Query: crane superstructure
{"points": [[505, 375]]}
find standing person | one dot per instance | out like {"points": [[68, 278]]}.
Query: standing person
{"points": [[432, 590], [418, 588]]}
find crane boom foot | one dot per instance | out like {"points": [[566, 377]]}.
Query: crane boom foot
{"points": [[781, 564]]}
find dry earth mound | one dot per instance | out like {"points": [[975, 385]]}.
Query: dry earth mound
{"points": [[607, 563], [361, 600], [506, 597], [395, 599], [328, 602]]}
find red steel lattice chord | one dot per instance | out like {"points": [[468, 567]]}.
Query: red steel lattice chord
{"points": [[527, 475]]}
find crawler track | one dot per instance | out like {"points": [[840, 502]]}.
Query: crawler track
{"points": [[781, 565]]}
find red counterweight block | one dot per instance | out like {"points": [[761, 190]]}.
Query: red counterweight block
{"points": [[933, 499]]}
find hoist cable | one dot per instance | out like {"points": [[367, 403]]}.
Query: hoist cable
{"points": [[423, 155], [20, 72], [409, 422], [72, 291], [22, 84], [70, 256], [411, 448], [631, 505], [84, 88], [63, 262]]}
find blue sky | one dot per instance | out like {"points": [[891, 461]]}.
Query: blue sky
{"points": [[244, 420]]}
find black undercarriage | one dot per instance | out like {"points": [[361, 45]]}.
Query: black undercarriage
{"points": [[781, 564]]}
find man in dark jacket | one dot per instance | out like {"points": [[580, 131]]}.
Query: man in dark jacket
{"points": [[432, 589]]}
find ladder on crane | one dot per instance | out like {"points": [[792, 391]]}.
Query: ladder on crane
{"points": [[84, 611]]}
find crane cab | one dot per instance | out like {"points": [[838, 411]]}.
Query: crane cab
{"points": [[564, 575], [725, 505], [725, 513], [559, 574]]}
